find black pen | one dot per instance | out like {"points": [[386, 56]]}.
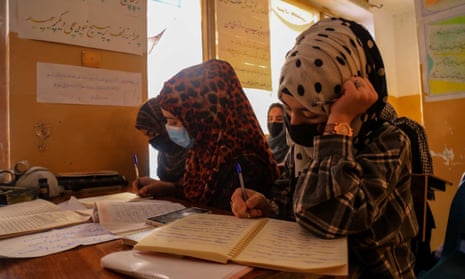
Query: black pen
{"points": [[241, 181], [136, 168]]}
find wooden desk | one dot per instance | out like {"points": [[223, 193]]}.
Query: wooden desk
{"points": [[83, 262]]}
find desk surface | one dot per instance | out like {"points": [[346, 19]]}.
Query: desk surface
{"points": [[80, 262], [83, 262]]}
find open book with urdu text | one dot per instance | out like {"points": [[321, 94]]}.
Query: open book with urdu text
{"points": [[35, 216], [265, 242]]}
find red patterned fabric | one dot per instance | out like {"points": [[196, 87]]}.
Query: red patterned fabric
{"points": [[210, 102]]}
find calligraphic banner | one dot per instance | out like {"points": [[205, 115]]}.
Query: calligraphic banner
{"points": [[445, 42], [243, 40], [117, 25]]}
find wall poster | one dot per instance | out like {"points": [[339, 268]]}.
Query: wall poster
{"points": [[442, 51], [243, 39], [117, 25]]}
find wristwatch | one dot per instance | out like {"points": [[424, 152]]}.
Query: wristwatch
{"points": [[342, 128]]}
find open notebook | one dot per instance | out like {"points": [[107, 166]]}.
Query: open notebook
{"points": [[266, 243]]}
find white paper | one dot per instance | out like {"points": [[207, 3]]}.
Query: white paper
{"points": [[66, 84], [54, 241], [153, 265], [33, 216], [122, 197], [111, 25], [122, 217]]}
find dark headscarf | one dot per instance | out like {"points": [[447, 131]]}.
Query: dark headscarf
{"points": [[170, 165], [209, 101], [278, 143]]}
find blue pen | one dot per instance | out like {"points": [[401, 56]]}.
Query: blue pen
{"points": [[241, 181], [136, 168]]}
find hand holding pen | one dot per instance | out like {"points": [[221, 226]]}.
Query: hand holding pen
{"points": [[248, 203], [243, 191], [241, 181], [136, 169]]}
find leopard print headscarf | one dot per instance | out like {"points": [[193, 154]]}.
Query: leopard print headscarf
{"points": [[209, 101]]}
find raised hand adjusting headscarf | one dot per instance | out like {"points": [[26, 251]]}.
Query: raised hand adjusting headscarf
{"points": [[209, 101]]}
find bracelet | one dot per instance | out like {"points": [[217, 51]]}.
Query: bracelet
{"points": [[342, 128]]}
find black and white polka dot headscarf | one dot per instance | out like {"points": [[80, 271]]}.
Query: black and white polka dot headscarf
{"points": [[323, 57]]}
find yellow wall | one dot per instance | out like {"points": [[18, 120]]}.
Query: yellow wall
{"points": [[443, 121], [446, 136], [82, 137], [408, 106]]}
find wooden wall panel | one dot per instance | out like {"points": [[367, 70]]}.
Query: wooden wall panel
{"points": [[81, 137], [444, 122]]}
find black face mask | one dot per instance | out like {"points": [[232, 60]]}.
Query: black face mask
{"points": [[275, 128], [165, 145], [302, 134]]}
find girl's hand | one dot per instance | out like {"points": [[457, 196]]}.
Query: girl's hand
{"points": [[358, 95], [146, 187], [255, 206]]}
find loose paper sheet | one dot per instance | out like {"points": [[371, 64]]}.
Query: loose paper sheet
{"points": [[54, 241], [122, 217]]}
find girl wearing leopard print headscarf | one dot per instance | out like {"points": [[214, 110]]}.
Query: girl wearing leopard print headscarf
{"points": [[219, 129], [351, 168]]}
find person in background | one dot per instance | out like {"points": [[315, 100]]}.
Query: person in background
{"points": [[171, 157], [207, 112], [351, 169], [277, 137]]}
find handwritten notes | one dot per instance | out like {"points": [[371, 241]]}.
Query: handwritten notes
{"points": [[244, 40], [54, 241], [275, 241], [446, 46], [81, 85], [34, 216], [263, 242], [445, 50], [294, 16], [121, 217], [112, 25]]}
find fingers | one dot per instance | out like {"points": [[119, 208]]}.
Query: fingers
{"points": [[361, 91], [238, 205], [134, 185], [251, 208]]}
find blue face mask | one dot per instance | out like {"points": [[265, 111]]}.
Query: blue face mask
{"points": [[179, 136]]}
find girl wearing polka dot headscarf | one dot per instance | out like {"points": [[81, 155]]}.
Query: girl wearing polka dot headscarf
{"points": [[351, 168]]}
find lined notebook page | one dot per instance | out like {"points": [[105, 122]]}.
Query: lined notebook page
{"points": [[286, 244]]}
